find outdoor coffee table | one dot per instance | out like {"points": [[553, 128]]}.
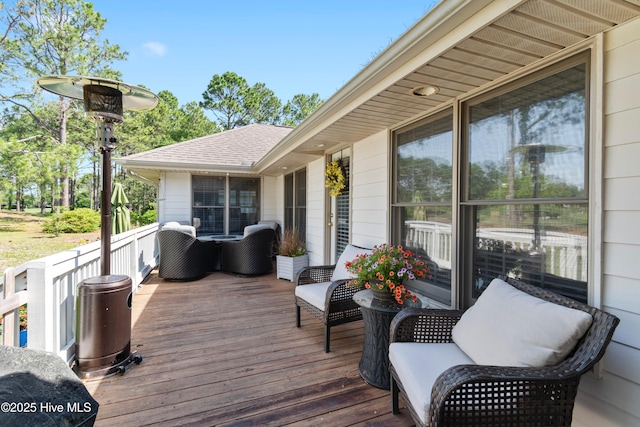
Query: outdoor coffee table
{"points": [[214, 247], [377, 315]]}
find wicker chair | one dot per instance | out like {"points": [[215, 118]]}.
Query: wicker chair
{"points": [[182, 256], [250, 256], [483, 395], [318, 286]]}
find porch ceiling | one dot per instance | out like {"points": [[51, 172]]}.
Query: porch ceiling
{"points": [[459, 47]]}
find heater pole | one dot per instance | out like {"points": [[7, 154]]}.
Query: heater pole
{"points": [[108, 142]]}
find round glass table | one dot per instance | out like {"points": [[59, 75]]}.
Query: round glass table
{"points": [[377, 315]]}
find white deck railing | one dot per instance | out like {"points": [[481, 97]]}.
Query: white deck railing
{"points": [[563, 252], [49, 285]]}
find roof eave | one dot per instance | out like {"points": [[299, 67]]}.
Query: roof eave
{"points": [[141, 165]]}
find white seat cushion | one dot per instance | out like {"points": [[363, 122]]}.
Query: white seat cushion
{"points": [[508, 327], [316, 293], [349, 253], [313, 293], [418, 365]]}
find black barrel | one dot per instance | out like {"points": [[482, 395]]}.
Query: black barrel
{"points": [[103, 322]]}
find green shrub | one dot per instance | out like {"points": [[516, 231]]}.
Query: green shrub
{"points": [[76, 221], [149, 217], [82, 201]]}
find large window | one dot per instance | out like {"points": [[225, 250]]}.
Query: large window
{"points": [[208, 203], [225, 205], [526, 202], [422, 199], [516, 196], [295, 201]]}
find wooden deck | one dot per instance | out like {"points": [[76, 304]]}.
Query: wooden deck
{"points": [[225, 350]]}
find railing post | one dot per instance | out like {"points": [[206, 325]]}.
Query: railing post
{"points": [[10, 334], [44, 325], [135, 271]]}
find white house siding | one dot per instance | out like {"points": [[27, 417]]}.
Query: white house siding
{"points": [[316, 199], [615, 398], [174, 198], [279, 200], [271, 188], [369, 190]]}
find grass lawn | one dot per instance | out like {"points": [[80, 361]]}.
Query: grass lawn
{"points": [[22, 239]]}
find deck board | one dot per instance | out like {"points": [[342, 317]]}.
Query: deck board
{"points": [[224, 351]]}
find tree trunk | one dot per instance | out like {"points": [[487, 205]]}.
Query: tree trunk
{"points": [[55, 203], [72, 192], [18, 198]]}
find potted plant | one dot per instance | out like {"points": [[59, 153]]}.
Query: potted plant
{"points": [[292, 255], [385, 270], [23, 325]]}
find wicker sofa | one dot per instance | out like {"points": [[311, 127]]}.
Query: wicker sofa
{"points": [[323, 292], [454, 368]]}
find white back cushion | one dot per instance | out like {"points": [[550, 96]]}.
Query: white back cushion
{"points": [[508, 327], [187, 229], [250, 229], [349, 253], [272, 224]]}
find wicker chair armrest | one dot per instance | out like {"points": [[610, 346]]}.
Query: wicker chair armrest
{"points": [[314, 274], [424, 325], [340, 292], [501, 386], [459, 375]]}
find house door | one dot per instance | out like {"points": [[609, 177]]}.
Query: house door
{"points": [[340, 209]]}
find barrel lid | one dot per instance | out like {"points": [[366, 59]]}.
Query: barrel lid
{"points": [[110, 282]]}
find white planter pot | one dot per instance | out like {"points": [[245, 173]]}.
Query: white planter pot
{"points": [[287, 267]]}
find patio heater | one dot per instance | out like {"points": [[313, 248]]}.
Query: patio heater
{"points": [[103, 305], [535, 154]]}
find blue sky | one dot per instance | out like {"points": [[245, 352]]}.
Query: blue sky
{"points": [[295, 46]]}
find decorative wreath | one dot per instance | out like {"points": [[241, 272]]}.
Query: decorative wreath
{"points": [[335, 180]]}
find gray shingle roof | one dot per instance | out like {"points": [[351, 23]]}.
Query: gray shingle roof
{"points": [[235, 147]]}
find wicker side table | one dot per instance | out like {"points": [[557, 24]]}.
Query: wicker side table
{"points": [[377, 315]]}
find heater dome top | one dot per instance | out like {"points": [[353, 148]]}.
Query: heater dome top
{"points": [[134, 98]]}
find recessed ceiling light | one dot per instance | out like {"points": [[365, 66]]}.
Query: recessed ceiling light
{"points": [[422, 91]]}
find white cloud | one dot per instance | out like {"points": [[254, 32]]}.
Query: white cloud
{"points": [[155, 48]]}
